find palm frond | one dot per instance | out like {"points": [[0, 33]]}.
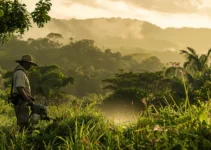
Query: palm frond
{"points": [[184, 52], [197, 65], [192, 50], [203, 58], [189, 56], [186, 64], [189, 79], [208, 54], [193, 62]]}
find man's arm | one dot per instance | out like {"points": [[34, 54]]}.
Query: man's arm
{"points": [[23, 94]]}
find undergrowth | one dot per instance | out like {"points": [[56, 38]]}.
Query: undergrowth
{"points": [[83, 127]]}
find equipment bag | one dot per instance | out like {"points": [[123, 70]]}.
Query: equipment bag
{"points": [[14, 97]]}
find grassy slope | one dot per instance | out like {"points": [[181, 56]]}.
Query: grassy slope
{"points": [[83, 127]]}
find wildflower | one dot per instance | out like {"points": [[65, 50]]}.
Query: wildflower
{"points": [[157, 128]]}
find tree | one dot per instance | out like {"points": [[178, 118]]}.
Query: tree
{"points": [[45, 81], [51, 41], [55, 39], [195, 73], [194, 66], [82, 60], [15, 19], [48, 81], [194, 62], [136, 86], [151, 64]]}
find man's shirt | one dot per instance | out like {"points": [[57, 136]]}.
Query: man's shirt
{"points": [[20, 79]]}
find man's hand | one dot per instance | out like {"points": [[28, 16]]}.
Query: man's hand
{"points": [[32, 98], [30, 103]]}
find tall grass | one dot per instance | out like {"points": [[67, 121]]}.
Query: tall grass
{"points": [[83, 127]]}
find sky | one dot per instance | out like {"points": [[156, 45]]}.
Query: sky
{"points": [[164, 13]]}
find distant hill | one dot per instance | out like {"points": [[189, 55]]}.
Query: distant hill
{"points": [[127, 35]]}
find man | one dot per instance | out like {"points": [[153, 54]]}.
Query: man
{"points": [[21, 87]]}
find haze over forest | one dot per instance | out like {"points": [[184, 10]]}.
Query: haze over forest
{"points": [[129, 36]]}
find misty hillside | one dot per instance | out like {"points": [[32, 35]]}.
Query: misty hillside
{"points": [[127, 35]]}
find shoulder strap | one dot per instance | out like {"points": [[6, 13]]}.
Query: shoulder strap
{"points": [[16, 69]]}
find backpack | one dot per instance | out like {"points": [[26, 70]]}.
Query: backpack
{"points": [[14, 97]]}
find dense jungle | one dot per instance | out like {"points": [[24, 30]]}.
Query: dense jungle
{"points": [[151, 94]]}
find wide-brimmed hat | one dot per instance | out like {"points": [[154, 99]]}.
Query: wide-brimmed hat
{"points": [[27, 58]]}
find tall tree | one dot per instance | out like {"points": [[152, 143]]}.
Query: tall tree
{"points": [[15, 19], [48, 81], [194, 71], [195, 63]]}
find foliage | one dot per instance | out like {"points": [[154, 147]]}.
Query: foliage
{"points": [[46, 81], [15, 19], [84, 61], [2, 72], [203, 86], [195, 73], [152, 64], [151, 86], [79, 126], [195, 63]]}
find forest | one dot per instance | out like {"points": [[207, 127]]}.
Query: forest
{"points": [[83, 78], [81, 60], [80, 81]]}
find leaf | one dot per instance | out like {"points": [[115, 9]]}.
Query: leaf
{"points": [[1, 13], [36, 131], [203, 116]]}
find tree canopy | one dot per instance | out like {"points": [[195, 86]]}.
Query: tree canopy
{"points": [[15, 18], [80, 59], [46, 81]]}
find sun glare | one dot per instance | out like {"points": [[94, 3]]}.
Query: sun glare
{"points": [[111, 8], [122, 5]]}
